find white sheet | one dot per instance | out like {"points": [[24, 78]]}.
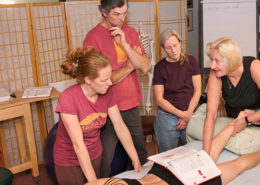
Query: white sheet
{"points": [[249, 177]]}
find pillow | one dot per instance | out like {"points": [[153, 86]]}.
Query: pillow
{"points": [[246, 141]]}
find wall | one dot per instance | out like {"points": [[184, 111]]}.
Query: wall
{"points": [[27, 1], [233, 19], [193, 36], [33, 1]]}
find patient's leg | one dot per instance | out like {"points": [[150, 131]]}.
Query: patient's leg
{"points": [[220, 141], [232, 169]]}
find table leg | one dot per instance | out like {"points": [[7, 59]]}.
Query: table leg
{"points": [[18, 123], [28, 125], [3, 154]]}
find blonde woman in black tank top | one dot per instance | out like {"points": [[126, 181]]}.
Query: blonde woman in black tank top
{"points": [[237, 80]]}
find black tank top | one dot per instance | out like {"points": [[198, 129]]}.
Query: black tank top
{"points": [[245, 95]]}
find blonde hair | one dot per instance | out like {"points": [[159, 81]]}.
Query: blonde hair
{"points": [[229, 50], [84, 62], [166, 34]]}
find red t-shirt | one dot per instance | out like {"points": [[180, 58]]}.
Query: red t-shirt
{"points": [[92, 116], [128, 91]]}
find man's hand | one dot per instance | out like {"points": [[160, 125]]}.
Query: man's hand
{"points": [[130, 65], [138, 49], [128, 62], [119, 35]]}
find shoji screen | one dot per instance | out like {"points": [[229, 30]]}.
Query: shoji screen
{"points": [[33, 42], [51, 43], [142, 15], [172, 15], [17, 68], [82, 16], [51, 40]]}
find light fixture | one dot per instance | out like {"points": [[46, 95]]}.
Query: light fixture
{"points": [[7, 2]]}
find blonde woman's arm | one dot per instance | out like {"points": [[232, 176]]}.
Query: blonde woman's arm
{"points": [[213, 99]]}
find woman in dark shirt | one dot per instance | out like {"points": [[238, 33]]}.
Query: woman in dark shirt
{"points": [[177, 89], [159, 175], [237, 79]]}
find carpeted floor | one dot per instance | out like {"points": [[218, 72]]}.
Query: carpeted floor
{"points": [[25, 178]]}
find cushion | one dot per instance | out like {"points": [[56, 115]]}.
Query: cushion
{"points": [[6, 176], [246, 141]]}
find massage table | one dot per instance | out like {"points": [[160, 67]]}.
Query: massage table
{"points": [[249, 177]]}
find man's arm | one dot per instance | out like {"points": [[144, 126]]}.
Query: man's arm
{"points": [[121, 73], [136, 59]]}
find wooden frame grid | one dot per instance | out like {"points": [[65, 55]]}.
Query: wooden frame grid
{"points": [[16, 66], [51, 41], [16, 48], [11, 147], [176, 20], [141, 16], [81, 17]]}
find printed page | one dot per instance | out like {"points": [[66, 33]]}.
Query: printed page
{"points": [[4, 95], [171, 155], [194, 169], [33, 92]]}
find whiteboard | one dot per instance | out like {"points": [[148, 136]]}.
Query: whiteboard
{"points": [[235, 19]]}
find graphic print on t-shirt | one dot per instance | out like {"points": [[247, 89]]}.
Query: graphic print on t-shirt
{"points": [[94, 120], [121, 56]]}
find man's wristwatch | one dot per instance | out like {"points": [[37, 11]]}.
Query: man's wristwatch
{"points": [[248, 122]]}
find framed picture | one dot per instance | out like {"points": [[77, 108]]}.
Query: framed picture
{"points": [[189, 3], [189, 20]]}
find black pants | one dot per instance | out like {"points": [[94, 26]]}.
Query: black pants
{"points": [[109, 139]]}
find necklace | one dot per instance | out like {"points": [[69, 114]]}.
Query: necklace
{"points": [[229, 83]]}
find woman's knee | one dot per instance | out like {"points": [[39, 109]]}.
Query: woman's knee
{"points": [[241, 164]]}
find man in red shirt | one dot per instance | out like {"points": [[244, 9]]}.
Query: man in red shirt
{"points": [[121, 45]]}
